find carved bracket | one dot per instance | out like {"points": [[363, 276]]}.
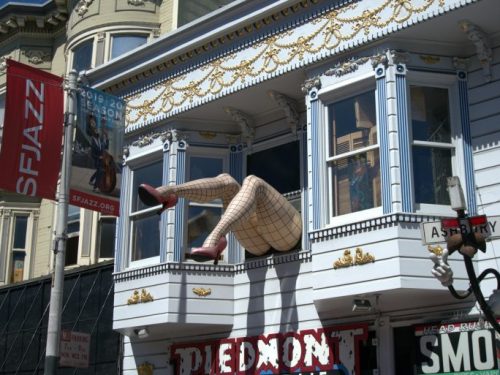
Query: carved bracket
{"points": [[289, 106], [483, 49], [244, 121]]}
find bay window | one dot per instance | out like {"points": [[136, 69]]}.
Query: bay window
{"points": [[353, 155], [144, 220]]}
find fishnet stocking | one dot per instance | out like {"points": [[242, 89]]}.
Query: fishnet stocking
{"points": [[259, 216]]}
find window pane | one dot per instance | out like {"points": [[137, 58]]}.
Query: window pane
{"points": [[124, 43], [82, 56], [356, 183], [71, 251], [278, 166], [431, 168], [146, 237], [353, 124], [201, 222], [201, 167], [21, 225], [107, 238], [430, 114], [150, 174]]}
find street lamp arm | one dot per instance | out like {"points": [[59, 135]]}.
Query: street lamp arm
{"points": [[458, 295], [474, 284]]}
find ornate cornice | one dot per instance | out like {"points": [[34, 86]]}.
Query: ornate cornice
{"points": [[268, 262], [331, 32], [371, 224]]}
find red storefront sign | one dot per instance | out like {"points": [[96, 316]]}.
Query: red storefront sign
{"points": [[32, 135], [325, 349]]}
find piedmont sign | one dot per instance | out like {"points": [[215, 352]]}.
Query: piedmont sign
{"points": [[433, 232], [456, 348], [314, 350]]}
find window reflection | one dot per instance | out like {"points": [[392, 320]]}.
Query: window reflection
{"points": [[123, 43], [146, 237], [82, 56], [353, 155]]}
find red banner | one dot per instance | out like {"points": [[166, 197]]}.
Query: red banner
{"points": [[30, 156]]}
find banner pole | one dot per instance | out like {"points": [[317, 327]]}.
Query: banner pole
{"points": [[56, 292]]}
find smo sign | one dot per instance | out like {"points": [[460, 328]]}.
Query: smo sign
{"points": [[456, 348], [332, 349]]}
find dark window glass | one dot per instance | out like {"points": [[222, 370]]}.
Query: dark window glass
{"points": [[430, 114], [71, 251], [356, 183], [107, 238], [431, 168], [82, 56], [278, 166], [123, 43], [20, 228], [146, 237], [150, 174], [190, 10]]}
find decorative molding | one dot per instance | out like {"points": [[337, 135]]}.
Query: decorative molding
{"points": [[359, 259], [3, 62], [82, 7], [430, 59], [36, 56], [143, 297], [136, 2], [348, 66], [399, 57], [202, 292], [310, 84], [145, 368], [289, 106], [207, 134], [371, 224], [211, 269], [483, 49], [344, 261], [336, 30], [244, 121], [363, 258], [438, 250], [347, 260]]}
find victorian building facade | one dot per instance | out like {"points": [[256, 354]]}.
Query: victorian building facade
{"points": [[356, 111]]}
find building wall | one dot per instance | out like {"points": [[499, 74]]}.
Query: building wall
{"points": [[484, 109]]}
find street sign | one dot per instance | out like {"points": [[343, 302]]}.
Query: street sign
{"points": [[434, 232], [74, 350]]}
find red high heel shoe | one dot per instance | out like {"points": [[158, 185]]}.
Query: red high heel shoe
{"points": [[201, 254], [151, 197]]}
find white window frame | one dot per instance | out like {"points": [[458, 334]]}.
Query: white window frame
{"points": [[202, 152], [449, 82], [136, 163], [335, 93]]}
